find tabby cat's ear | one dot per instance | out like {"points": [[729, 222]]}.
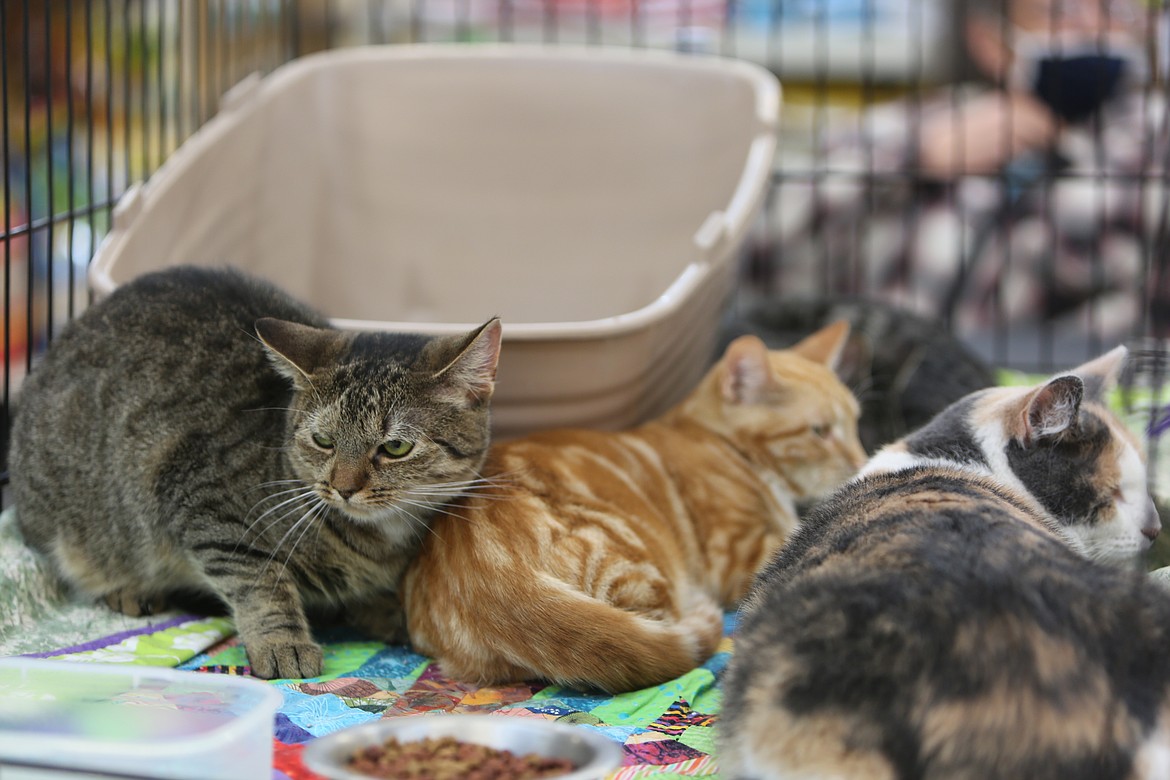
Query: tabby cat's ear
{"points": [[1100, 374], [1053, 410], [471, 374], [825, 345], [746, 375], [298, 350]]}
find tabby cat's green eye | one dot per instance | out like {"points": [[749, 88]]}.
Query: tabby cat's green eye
{"points": [[397, 448], [323, 441]]}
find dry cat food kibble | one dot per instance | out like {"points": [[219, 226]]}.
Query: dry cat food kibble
{"points": [[446, 758]]}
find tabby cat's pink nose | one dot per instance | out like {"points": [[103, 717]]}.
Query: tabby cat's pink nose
{"points": [[1150, 533]]}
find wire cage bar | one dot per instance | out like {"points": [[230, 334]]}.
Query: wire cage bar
{"points": [[98, 93]]}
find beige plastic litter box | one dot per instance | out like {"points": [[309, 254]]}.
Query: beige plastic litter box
{"points": [[594, 199]]}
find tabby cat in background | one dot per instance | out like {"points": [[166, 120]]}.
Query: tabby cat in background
{"points": [[162, 448], [968, 607], [605, 559]]}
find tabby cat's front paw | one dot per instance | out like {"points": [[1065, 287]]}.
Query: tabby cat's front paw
{"points": [[293, 660]]}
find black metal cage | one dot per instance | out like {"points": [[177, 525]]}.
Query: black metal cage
{"points": [[98, 93]]}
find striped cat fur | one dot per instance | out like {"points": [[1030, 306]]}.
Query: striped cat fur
{"points": [[968, 607], [178, 439], [604, 559]]}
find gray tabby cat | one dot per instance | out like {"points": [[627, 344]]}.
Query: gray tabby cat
{"points": [[162, 448], [957, 610]]}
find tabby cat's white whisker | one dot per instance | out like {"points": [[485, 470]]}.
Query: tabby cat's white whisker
{"points": [[446, 496], [452, 494], [292, 529], [288, 513], [477, 482], [295, 503], [317, 536], [297, 492], [499, 480], [275, 483], [430, 506], [411, 518], [439, 490], [312, 518]]}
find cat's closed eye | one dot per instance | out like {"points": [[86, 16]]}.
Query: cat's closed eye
{"points": [[822, 430], [323, 441]]}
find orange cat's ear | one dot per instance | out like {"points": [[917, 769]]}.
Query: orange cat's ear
{"points": [[825, 345], [745, 373], [472, 372]]}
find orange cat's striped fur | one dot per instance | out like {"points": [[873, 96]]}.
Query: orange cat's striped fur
{"points": [[604, 560]]}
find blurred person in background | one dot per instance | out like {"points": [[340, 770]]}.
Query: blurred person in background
{"points": [[1032, 197]]}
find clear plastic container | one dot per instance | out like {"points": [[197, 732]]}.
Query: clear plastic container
{"points": [[59, 717]]}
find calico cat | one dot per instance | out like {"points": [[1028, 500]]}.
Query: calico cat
{"points": [[604, 559], [162, 448], [958, 610], [904, 368]]}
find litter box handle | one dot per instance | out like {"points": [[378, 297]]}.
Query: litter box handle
{"points": [[712, 235], [128, 207], [239, 93]]}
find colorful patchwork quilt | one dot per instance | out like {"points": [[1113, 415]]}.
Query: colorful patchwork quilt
{"points": [[666, 731]]}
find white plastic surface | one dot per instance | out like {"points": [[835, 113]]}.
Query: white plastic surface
{"points": [[592, 198], [132, 720]]}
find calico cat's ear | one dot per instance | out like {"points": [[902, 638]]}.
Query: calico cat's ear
{"points": [[1053, 410], [299, 350], [825, 345], [746, 375], [1100, 374], [471, 374]]}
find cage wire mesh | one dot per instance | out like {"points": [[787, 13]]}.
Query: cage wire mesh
{"points": [[98, 93]]}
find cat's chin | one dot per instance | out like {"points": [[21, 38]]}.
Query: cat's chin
{"points": [[365, 515], [1109, 544], [382, 516]]}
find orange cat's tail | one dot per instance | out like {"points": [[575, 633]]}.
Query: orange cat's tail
{"points": [[556, 633]]}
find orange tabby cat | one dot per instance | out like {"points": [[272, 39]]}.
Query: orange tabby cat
{"points": [[604, 560]]}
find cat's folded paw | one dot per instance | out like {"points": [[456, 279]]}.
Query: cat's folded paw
{"points": [[1161, 576], [382, 619], [291, 660], [132, 603]]}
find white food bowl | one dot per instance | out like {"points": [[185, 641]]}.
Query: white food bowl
{"points": [[594, 199], [592, 754]]}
